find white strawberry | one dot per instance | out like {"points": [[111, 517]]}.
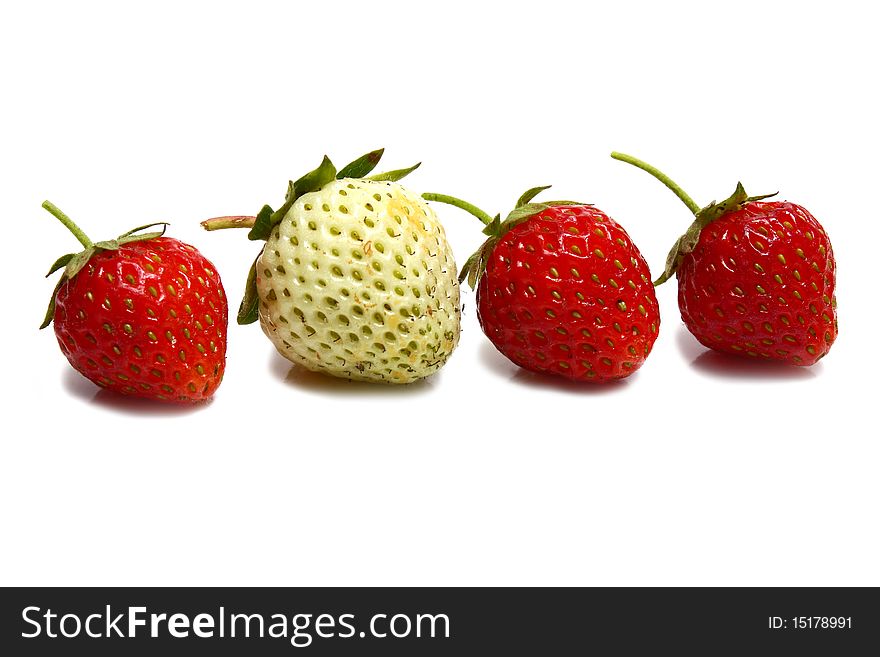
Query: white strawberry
{"points": [[356, 278]]}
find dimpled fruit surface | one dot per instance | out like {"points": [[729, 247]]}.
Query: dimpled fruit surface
{"points": [[358, 281]]}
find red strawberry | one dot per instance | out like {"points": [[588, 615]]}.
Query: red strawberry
{"points": [[144, 315], [562, 290], [755, 278]]}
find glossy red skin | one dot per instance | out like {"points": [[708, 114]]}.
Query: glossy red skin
{"points": [[731, 300], [131, 288], [569, 324]]}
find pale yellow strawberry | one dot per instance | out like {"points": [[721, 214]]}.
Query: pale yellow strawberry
{"points": [[356, 279]]}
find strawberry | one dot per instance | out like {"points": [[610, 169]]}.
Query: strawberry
{"points": [[562, 289], [143, 315], [755, 278], [356, 279]]}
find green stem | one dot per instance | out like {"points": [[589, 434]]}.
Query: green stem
{"points": [[457, 202], [219, 223], [659, 175], [68, 222]]}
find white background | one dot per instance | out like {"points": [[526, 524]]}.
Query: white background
{"points": [[697, 470]]}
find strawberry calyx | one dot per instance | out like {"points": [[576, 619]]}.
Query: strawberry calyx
{"points": [[261, 226], [475, 266], [72, 263], [688, 242], [702, 216]]}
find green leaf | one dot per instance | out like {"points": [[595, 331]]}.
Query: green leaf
{"points": [[475, 266], [673, 262], [262, 227], [760, 197], [715, 210], [61, 262], [314, 180], [134, 235], [529, 194], [476, 270], [482, 262], [131, 233], [361, 166], [78, 261], [521, 214], [565, 203], [493, 228], [290, 194], [311, 182], [107, 245], [50, 311], [395, 175], [249, 310], [469, 264], [276, 216], [143, 237]]}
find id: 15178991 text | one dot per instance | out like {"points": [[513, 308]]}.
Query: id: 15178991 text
{"points": [[810, 623]]}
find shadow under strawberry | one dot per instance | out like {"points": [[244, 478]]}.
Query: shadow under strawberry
{"points": [[500, 366], [718, 364], [80, 388], [314, 382]]}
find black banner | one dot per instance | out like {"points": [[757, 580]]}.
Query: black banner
{"points": [[444, 621]]}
